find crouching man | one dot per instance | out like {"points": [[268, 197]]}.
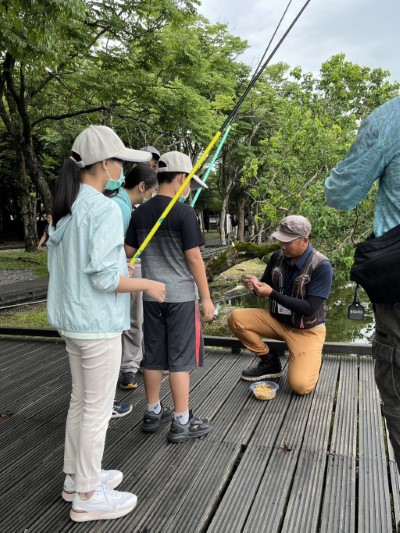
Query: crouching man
{"points": [[297, 282]]}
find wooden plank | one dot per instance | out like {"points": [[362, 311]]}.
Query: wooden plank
{"points": [[233, 510], [302, 512], [187, 500], [339, 506], [374, 505], [253, 423]]}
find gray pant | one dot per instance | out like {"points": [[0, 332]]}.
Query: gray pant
{"points": [[386, 352], [132, 352]]}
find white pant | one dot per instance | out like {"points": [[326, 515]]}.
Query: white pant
{"points": [[94, 368]]}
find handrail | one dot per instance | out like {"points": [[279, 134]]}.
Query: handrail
{"points": [[225, 342]]}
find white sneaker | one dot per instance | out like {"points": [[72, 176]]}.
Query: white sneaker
{"points": [[109, 478], [105, 504]]}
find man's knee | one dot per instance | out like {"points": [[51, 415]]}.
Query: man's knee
{"points": [[234, 319], [301, 386]]}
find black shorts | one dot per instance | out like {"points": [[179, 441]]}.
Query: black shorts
{"points": [[173, 338]]}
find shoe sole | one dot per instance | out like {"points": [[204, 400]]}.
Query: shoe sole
{"points": [[77, 516], [122, 415], [265, 376], [130, 386], [156, 427], [182, 437], [69, 496]]}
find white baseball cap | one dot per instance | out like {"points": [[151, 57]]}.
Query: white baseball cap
{"points": [[197, 183], [175, 162], [97, 143]]}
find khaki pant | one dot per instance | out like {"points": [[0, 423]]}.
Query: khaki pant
{"points": [[304, 345], [132, 351], [94, 369]]}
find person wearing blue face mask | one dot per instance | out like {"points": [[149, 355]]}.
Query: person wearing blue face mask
{"points": [[140, 185], [88, 303]]}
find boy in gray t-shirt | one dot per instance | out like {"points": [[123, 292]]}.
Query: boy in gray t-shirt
{"points": [[172, 331]]}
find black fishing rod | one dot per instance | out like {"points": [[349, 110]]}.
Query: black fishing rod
{"points": [[214, 140], [258, 73]]}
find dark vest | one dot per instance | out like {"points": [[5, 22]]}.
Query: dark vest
{"points": [[298, 289]]}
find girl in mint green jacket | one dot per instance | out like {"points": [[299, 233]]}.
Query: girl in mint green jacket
{"points": [[88, 302]]}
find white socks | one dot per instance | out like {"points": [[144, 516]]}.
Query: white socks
{"points": [[182, 418], [154, 408]]}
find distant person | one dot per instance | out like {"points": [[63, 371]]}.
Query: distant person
{"points": [[235, 225], [140, 185], [88, 303], [155, 156], [45, 236], [297, 282], [375, 156], [172, 331], [251, 224], [246, 224]]}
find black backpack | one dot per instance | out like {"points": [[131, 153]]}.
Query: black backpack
{"points": [[377, 267]]}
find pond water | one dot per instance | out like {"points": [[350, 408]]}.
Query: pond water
{"points": [[338, 327]]}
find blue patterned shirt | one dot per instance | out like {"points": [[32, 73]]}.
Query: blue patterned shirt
{"points": [[374, 155]]}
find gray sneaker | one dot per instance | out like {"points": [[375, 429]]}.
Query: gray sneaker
{"points": [[196, 427], [152, 422]]}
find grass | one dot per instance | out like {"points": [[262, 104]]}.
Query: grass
{"points": [[33, 261], [27, 316]]}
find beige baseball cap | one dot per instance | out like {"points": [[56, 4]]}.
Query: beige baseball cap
{"points": [[291, 228], [97, 143], [175, 162]]}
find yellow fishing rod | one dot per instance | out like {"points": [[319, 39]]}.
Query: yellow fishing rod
{"points": [[229, 119]]}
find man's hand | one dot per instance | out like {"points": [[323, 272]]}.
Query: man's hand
{"points": [[208, 309], [248, 281], [263, 290]]}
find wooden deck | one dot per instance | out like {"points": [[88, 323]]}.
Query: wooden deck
{"points": [[319, 463]]}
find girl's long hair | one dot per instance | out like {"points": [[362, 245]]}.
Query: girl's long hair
{"points": [[67, 189]]}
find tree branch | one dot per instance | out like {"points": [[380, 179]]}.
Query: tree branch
{"points": [[69, 115]]}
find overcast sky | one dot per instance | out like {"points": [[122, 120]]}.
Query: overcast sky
{"points": [[367, 31]]}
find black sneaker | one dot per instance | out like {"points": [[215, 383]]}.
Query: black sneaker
{"points": [[196, 427], [127, 380], [268, 367], [152, 422], [121, 409]]}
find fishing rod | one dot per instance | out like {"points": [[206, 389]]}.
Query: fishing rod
{"points": [[217, 135], [222, 141]]}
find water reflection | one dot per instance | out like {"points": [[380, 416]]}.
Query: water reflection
{"points": [[338, 328]]}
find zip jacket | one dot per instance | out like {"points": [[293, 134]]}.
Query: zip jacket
{"points": [[85, 259]]}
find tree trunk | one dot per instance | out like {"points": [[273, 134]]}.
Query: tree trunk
{"points": [[36, 174], [240, 202], [222, 218], [26, 205], [260, 233]]}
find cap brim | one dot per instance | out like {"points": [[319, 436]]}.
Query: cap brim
{"points": [[136, 156], [284, 237], [196, 183]]}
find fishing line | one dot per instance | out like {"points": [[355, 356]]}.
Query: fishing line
{"points": [[230, 117], [222, 142]]}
